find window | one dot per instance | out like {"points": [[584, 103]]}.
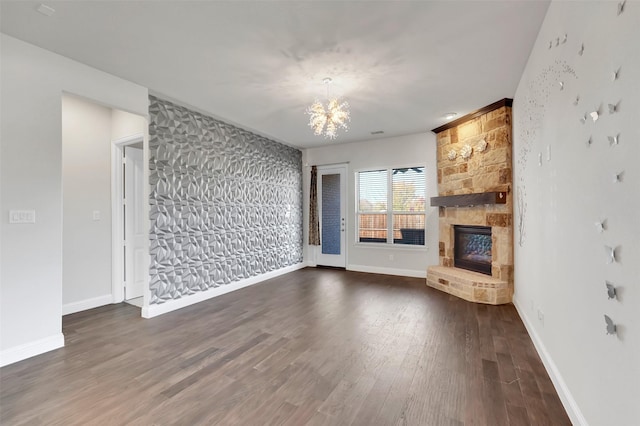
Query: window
{"points": [[391, 206]]}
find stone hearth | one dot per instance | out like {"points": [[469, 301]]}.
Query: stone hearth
{"points": [[484, 171], [468, 285]]}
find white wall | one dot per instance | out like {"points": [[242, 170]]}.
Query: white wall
{"points": [[124, 124], [560, 259], [411, 150], [32, 82], [86, 188]]}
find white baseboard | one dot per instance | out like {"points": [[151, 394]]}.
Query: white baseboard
{"points": [[388, 271], [154, 310], [83, 305], [569, 403], [27, 350]]}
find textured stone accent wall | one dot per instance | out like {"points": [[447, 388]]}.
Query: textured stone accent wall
{"points": [[485, 171], [226, 204]]}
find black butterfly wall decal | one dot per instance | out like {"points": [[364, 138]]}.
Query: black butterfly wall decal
{"points": [[614, 140], [581, 51], [611, 327], [611, 290]]}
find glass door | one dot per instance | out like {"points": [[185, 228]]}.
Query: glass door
{"points": [[332, 213]]}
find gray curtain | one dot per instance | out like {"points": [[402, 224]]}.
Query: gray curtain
{"points": [[314, 223]]}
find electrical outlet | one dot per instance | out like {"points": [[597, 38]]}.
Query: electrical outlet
{"points": [[541, 316], [391, 257], [96, 215], [22, 216]]}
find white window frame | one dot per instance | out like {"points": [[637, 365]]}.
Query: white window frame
{"points": [[389, 212]]}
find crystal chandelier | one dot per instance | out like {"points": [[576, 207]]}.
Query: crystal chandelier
{"points": [[327, 120]]}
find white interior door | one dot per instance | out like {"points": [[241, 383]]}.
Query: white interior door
{"points": [[135, 235], [332, 209]]}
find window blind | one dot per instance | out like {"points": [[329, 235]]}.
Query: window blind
{"points": [[391, 206]]}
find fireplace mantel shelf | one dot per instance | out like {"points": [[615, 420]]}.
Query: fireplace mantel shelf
{"points": [[467, 200]]}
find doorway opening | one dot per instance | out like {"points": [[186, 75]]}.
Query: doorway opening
{"points": [[94, 137]]}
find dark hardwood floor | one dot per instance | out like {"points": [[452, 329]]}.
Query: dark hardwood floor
{"points": [[317, 346]]}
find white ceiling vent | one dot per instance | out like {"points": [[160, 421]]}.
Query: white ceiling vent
{"points": [[46, 10]]}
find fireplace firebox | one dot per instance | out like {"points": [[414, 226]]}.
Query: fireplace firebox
{"points": [[472, 248]]}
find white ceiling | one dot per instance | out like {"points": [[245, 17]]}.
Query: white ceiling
{"points": [[401, 65]]}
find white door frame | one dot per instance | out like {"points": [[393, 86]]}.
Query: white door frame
{"points": [[344, 175], [117, 215], [137, 234]]}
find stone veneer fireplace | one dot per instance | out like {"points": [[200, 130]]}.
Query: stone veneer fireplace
{"points": [[475, 192]]}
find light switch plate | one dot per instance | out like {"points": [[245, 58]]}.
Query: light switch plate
{"points": [[96, 215], [22, 216]]}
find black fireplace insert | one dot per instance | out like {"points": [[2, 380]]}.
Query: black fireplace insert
{"points": [[472, 248]]}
